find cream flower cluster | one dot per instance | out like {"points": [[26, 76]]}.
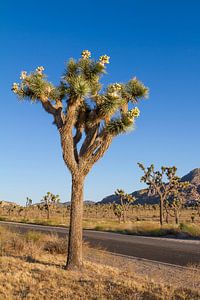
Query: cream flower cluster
{"points": [[23, 75], [39, 70], [116, 87], [15, 87], [86, 54], [104, 59], [134, 113]]}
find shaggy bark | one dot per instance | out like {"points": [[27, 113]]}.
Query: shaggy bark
{"points": [[74, 258]]}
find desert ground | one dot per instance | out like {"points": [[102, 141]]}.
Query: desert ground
{"points": [[33, 267]]}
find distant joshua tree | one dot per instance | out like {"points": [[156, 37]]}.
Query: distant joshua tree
{"points": [[29, 201], [125, 200], [87, 118], [117, 210], [167, 186], [48, 201]]}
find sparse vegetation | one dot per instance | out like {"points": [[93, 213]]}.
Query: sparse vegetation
{"points": [[32, 268], [143, 220]]}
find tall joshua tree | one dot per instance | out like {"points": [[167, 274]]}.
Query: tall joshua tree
{"points": [[87, 118]]}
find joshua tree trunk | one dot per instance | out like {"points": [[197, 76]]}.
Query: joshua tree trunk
{"points": [[161, 211], [167, 218], [74, 258], [124, 215], [177, 217], [48, 212]]}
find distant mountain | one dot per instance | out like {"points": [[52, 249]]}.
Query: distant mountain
{"points": [[4, 203], [142, 196], [86, 202], [194, 178]]}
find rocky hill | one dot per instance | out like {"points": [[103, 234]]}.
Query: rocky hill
{"points": [[194, 178], [7, 203], [86, 202], [142, 196]]}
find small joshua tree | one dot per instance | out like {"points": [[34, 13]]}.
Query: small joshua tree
{"points": [[194, 193], [174, 202], [118, 212], [173, 209], [125, 201], [49, 201], [87, 118], [165, 184], [29, 201]]}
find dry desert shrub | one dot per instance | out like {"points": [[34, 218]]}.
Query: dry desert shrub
{"points": [[55, 245]]}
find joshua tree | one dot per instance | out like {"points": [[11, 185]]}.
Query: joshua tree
{"points": [[125, 201], [29, 201], [48, 201], [118, 212], [164, 184], [174, 202], [194, 193], [87, 118], [173, 209]]}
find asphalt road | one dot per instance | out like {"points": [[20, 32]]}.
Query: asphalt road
{"points": [[173, 251]]}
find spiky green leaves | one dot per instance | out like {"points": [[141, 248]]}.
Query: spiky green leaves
{"points": [[34, 86], [82, 76], [134, 90], [81, 87], [108, 106], [123, 123], [116, 127], [119, 125]]}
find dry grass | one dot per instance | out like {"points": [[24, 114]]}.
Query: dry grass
{"points": [[150, 228], [142, 220], [31, 267], [146, 228]]}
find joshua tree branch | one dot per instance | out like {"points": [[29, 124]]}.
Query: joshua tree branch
{"points": [[89, 140], [56, 111], [67, 140]]}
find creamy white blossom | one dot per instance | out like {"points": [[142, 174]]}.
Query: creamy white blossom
{"points": [[104, 59], [15, 87], [134, 113], [23, 75], [116, 87], [86, 54], [40, 69]]}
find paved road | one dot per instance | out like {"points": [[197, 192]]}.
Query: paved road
{"points": [[173, 251]]}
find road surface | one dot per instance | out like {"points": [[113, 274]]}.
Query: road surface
{"points": [[172, 251]]}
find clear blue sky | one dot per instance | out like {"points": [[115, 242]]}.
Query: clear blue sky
{"points": [[157, 41]]}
